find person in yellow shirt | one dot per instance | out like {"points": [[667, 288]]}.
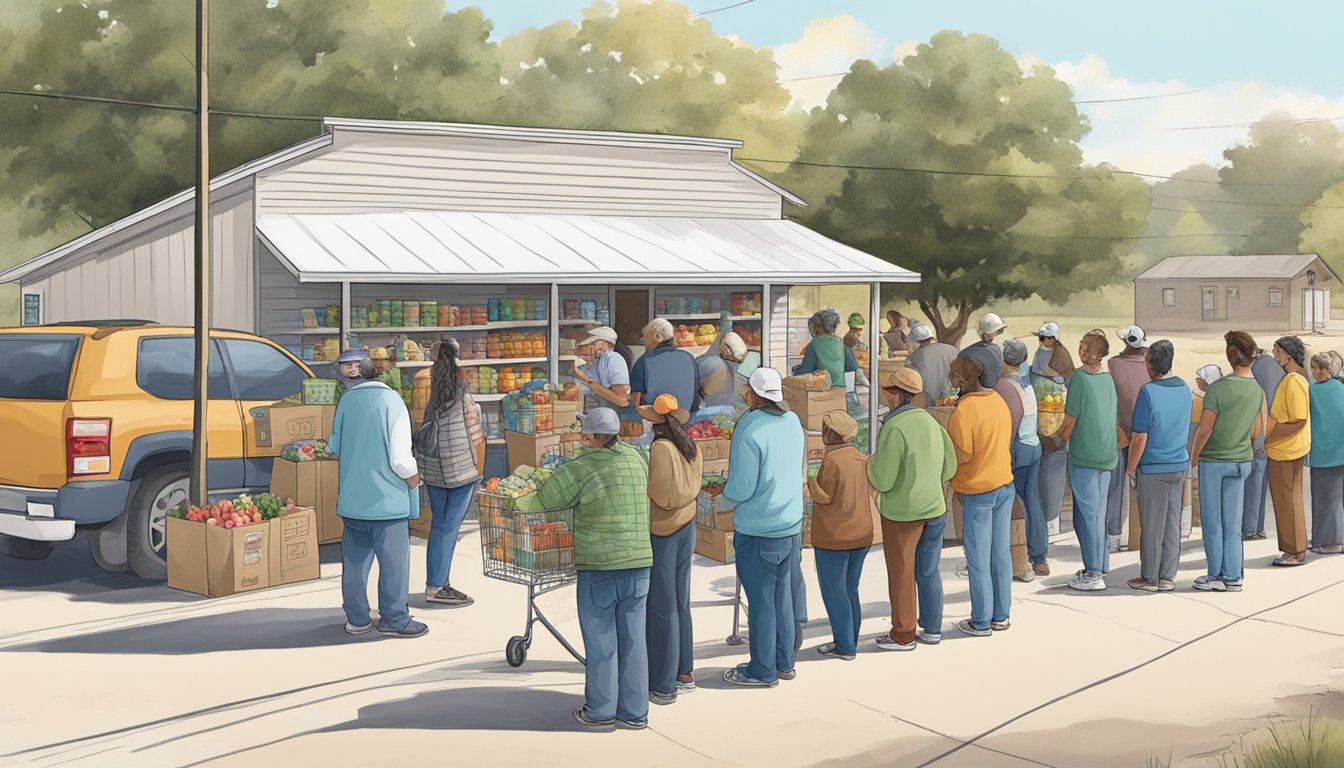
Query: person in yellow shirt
{"points": [[982, 432], [1287, 444]]}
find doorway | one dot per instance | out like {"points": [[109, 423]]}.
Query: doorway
{"points": [[1315, 308], [1210, 304]]}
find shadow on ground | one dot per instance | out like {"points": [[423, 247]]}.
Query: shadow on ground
{"points": [[472, 709], [70, 570]]}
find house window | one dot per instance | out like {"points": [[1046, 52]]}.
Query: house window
{"points": [[1276, 297], [1233, 294], [33, 311], [1168, 297]]}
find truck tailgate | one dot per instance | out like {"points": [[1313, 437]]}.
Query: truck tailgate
{"points": [[34, 387]]}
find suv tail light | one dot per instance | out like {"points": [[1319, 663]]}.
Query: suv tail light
{"points": [[88, 446]]}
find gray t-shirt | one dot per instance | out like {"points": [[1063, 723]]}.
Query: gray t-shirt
{"points": [[934, 363], [1268, 374], [990, 357]]}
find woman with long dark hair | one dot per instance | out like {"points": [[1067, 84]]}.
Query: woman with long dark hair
{"points": [[452, 472], [675, 469]]}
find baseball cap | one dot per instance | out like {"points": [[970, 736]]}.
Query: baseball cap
{"points": [[600, 421], [1133, 336], [664, 406], [1209, 373], [767, 383], [990, 323], [841, 423], [1048, 330], [1014, 352], [856, 320], [920, 332], [352, 356], [906, 378], [601, 333]]}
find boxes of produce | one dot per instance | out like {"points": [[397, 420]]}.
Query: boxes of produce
{"points": [[240, 545], [814, 446], [275, 426], [812, 406], [715, 544], [311, 483], [817, 381], [712, 510], [320, 391]]}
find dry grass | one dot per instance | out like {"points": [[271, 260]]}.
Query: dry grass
{"points": [[1312, 742]]}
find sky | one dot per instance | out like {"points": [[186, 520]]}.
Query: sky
{"points": [[1246, 59]]}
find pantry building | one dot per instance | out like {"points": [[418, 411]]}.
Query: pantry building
{"points": [[1283, 293]]}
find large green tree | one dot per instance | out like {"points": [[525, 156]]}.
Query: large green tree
{"points": [[1018, 212], [1323, 228]]}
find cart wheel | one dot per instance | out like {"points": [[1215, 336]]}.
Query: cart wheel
{"points": [[516, 651], [734, 640]]}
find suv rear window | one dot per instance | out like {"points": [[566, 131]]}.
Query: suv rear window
{"points": [[166, 369], [36, 366]]}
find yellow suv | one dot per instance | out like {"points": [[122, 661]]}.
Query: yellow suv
{"points": [[97, 425]]}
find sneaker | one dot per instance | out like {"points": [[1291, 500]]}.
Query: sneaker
{"points": [[886, 643], [968, 628], [1287, 560], [1027, 577], [1233, 585], [1143, 584], [1041, 569], [830, 649], [632, 725], [1052, 527], [662, 699], [1001, 626], [1113, 543], [1258, 536], [1248, 537], [1210, 584], [1166, 585], [792, 673], [1086, 581], [351, 629], [685, 683], [413, 628], [582, 718], [961, 572], [738, 676], [448, 596], [929, 638]]}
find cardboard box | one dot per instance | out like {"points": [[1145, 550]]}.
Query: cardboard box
{"points": [[277, 427], [312, 484], [812, 406], [566, 412], [214, 561], [717, 467], [293, 548], [529, 449], [1017, 545], [814, 446], [714, 448], [714, 544], [714, 511]]}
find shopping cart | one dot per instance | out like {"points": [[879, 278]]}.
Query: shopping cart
{"points": [[534, 549]]}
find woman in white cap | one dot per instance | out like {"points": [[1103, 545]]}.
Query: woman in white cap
{"points": [[985, 352], [608, 377]]}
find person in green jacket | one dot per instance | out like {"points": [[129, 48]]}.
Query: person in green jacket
{"points": [[915, 458], [607, 487]]}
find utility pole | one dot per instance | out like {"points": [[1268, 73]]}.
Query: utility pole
{"points": [[199, 448]]}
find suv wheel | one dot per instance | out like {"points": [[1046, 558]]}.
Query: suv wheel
{"points": [[147, 520]]}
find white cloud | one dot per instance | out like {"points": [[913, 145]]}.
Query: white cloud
{"points": [[828, 45], [1137, 135]]}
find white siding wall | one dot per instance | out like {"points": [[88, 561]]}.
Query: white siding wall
{"points": [[146, 273], [366, 172]]}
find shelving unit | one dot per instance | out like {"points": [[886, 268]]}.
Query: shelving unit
{"points": [[565, 323], [500, 325], [702, 316], [306, 332]]}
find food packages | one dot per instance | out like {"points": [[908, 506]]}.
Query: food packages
{"points": [[685, 337], [817, 381], [705, 334], [525, 480], [1050, 399], [306, 450]]}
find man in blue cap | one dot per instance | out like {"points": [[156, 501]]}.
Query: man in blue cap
{"points": [[347, 368]]}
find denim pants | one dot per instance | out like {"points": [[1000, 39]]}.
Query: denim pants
{"points": [[986, 523], [1116, 508], [389, 541], [612, 620], [1257, 492], [765, 568], [1054, 472], [1222, 492], [1090, 490], [796, 583], [671, 644], [448, 507], [1027, 482], [928, 580], [838, 574]]}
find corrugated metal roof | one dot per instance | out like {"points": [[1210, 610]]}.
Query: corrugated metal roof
{"points": [[1231, 267], [492, 247]]}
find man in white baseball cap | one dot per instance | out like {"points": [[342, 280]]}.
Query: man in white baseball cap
{"points": [[763, 480], [932, 359], [1130, 374], [608, 377], [985, 351]]}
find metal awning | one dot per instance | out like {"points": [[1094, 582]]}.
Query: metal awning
{"points": [[466, 247]]}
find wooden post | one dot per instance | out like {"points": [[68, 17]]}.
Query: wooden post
{"points": [[199, 444]]}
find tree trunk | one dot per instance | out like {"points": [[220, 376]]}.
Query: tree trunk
{"points": [[948, 333]]}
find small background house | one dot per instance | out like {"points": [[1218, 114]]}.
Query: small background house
{"points": [[1218, 292]]}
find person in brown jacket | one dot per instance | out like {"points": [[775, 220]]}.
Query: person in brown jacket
{"points": [[842, 531], [675, 469]]}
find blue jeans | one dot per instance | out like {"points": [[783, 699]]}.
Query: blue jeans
{"points": [[1257, 490], [671, 644], [612, 620], [1222, 491], [928, 581], [1027, 483], [765, 568], [1054, 469], [796, 581], [838, 573], [1116, 508], [448, 507], [986, 522], [390, 542], [1090, 490]]}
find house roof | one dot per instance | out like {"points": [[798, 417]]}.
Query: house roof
{"points": [[1234, 267], [471, 247]]}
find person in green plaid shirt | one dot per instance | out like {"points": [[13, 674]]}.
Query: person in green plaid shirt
{"points": [[607, 486]]}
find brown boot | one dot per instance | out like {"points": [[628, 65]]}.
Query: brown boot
{"points": [[1041, 569]]}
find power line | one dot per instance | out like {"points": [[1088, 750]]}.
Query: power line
{"points": [[1250, 214], [1238, 202], [724, 8], [1302, 121], [155, 105], [1139, 98]]}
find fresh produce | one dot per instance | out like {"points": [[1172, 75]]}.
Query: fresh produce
{"points": [[712, 484], [306, 450], [234, 513], [704, 430], [817, 381], [525, 480]]}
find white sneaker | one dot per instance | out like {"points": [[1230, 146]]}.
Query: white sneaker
{"points": [[1027, 577], [1208, 583], [1084, 581], [929, 638], [1053, 526], [1113, 543]]}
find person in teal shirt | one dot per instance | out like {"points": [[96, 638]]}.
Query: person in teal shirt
{"points": [[1089, 430], [379, 492], [1327, 456], [827, 352]]}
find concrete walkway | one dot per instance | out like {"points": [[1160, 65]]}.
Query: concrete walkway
{"points": [[102, 670]]}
